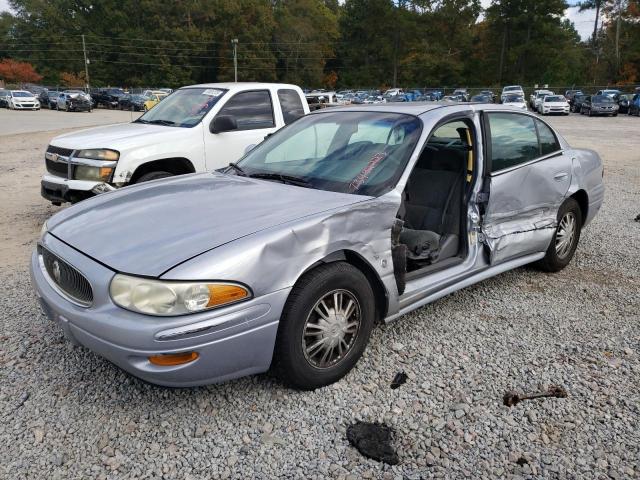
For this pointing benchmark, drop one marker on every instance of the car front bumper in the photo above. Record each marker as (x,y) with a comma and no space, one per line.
(26,106)
(60,190)
(231,342)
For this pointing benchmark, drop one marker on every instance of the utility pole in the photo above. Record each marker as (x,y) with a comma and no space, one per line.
(86,65)
(618,36)
(234,42)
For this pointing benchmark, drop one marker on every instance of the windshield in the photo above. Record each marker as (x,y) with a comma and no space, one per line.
(513,99)
(115,91)
(602,99)
(22,94)
(511,89)
(183,108)
(362,153)
(553,98)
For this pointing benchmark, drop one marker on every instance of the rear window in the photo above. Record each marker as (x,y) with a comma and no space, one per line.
(291,105)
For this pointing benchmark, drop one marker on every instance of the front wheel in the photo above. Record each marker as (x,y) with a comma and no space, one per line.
(565,238)
(325,326)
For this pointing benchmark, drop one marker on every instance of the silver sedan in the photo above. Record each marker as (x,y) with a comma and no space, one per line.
(287,259)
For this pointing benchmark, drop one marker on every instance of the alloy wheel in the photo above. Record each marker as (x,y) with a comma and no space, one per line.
(331,329)
(565,235)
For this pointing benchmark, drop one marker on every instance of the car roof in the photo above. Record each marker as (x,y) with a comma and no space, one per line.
(415,108)
(241,85)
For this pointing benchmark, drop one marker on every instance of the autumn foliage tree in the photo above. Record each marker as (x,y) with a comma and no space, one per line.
(70,79)
(13,71)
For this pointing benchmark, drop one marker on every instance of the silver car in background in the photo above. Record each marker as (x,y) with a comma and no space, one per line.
(287,259)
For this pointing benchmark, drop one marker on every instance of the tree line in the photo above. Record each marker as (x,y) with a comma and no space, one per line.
(355,43)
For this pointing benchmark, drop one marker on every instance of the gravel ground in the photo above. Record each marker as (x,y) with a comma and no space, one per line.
(67,413)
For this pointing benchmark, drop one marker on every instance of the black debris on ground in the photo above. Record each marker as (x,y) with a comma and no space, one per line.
(373,440)
(511,398)
(399,379)
(637,219)
(522,461)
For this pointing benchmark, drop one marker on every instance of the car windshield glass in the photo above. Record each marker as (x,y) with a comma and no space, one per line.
(553,98)
(115,91)
(362,153)
(22,94)
(139,98)
(511,89)
(184,107)
(602,99)
(514,99)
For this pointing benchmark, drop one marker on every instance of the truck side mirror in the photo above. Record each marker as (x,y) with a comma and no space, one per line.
(223,123)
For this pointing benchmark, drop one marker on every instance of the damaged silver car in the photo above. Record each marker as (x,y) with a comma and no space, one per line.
(287,259)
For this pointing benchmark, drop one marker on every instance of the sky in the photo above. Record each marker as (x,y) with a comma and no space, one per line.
(583,21)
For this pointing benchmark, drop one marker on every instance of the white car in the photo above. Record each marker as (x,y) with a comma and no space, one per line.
(195,129)
(537,99)
(23,100)
(393,92)
(554,104)
(515,101)
(511,90)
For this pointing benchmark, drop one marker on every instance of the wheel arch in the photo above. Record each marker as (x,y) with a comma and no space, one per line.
(175,165)
(582,198)
(358,261)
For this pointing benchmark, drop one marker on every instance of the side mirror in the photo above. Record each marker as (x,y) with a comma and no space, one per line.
(223,123)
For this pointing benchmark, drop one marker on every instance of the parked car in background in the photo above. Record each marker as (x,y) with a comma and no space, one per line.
(23,100)
(463,92)
(135,102)
(577,101)
(482,98)
(511,89)
(108,97)
(52,99)
(569,94)
(317,101)
(73,101)
(623,103)
(392,92)
(434,93)
(344,219)
(489,93)
(5,95)
(554,104)
(599,105)
(515,101)
(195,129)
(537,98)
(634,105)
(614,94)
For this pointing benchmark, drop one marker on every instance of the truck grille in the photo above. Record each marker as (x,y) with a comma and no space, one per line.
(57,168)
(69,280)
(65,152)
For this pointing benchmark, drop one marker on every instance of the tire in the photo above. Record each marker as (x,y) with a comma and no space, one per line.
(294,364)
(147,177)
(558,255)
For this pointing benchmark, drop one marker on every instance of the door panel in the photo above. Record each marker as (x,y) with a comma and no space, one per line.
(523,206)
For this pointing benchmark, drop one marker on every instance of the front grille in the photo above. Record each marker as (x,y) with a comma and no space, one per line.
(69,280)
(65,152)
(57,168)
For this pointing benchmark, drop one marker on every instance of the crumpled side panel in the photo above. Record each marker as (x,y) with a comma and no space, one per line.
(510,239)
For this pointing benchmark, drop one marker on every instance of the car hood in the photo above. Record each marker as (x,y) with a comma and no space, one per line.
(24,99)
(603,104)
(556,104)
(120,136)
(149,228)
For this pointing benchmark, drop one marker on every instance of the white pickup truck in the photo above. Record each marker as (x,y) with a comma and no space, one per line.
(195,129)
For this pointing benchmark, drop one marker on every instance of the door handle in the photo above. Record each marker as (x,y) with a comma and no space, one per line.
(560,176)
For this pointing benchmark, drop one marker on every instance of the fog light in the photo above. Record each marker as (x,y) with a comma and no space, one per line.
(173,359)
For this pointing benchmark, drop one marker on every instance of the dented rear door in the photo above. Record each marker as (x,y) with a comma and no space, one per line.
(529,178)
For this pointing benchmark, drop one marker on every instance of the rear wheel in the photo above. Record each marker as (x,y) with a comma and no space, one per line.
(565,238)
(325,326)
(147,177)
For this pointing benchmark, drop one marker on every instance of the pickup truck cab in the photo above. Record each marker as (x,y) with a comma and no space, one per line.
(195,129)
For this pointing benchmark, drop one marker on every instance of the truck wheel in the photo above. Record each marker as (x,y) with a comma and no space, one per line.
(325,326)
(147,177)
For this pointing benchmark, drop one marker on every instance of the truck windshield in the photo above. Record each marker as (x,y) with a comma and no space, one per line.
(183,108)
(362,153)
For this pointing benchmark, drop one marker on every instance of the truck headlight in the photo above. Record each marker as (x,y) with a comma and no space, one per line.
(169,298)
(99,154)
(95,174)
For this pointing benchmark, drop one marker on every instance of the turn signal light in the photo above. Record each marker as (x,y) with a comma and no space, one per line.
(223,294)
(173,359)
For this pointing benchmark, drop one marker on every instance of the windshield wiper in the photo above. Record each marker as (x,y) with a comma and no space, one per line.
(139,120)
(238,169)
(301,182)
(161,122)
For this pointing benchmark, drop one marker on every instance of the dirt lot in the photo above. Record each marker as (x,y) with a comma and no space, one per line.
(67,413)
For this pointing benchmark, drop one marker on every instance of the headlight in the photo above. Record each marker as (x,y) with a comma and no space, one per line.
(97,174)
(163,298)
(99,154)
